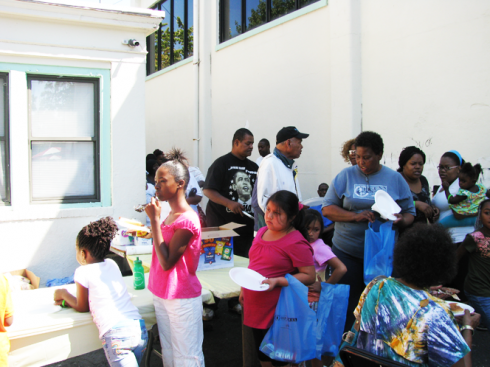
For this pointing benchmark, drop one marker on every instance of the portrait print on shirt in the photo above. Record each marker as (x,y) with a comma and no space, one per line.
(367,192)
(241,189)
(234,179)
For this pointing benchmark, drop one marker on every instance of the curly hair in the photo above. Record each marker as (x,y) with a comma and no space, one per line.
(406,154)
(97,236)
(425,256)
(344,151)
(370,139)
(177,165)
(473,172)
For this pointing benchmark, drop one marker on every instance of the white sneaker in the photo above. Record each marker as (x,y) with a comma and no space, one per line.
(207,314)
(237,309)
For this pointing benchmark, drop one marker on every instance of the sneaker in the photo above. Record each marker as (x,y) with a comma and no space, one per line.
(482,328)
(207,314)
(236,309)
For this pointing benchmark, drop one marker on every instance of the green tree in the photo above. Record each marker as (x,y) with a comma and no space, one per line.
(179,36)
(259,15)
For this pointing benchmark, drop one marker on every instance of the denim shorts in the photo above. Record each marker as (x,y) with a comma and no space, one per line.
(125,343)
(481,306)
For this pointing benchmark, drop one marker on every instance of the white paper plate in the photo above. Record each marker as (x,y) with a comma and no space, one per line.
(464,306)
(385,205)
(248,278)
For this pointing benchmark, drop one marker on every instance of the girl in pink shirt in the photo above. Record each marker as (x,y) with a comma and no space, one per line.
(173,281)
(277,250)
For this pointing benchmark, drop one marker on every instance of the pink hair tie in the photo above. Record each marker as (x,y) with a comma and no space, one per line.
(300,206)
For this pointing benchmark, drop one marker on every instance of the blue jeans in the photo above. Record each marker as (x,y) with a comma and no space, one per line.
(125,343)
(481,306)
(450,222)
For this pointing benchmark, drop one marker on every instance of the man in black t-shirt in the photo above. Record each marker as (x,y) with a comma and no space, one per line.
(229,184)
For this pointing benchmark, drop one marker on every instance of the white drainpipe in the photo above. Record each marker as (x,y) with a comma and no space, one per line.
(195,62)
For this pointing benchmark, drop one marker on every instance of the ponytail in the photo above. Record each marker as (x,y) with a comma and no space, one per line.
(473,172)
(177,165)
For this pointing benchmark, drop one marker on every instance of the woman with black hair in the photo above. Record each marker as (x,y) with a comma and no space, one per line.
(449,168)
(151,167)
(411,165)
(159,156)
(348,203)
(280,248)
(400,320)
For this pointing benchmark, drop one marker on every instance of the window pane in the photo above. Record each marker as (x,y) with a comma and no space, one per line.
(3,90)
(178,19)
(190,27)
(62,109)
(231,19)
(3,172)
(256,13)
(282,7)
(62,170)
(165,38)
(307,2)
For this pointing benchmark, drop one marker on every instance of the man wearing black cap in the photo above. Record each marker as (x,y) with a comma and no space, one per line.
(278,171)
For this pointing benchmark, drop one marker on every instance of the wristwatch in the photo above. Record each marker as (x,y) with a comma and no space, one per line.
(467,327)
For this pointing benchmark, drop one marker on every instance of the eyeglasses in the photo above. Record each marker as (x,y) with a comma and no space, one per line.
(445,168)
(352,152)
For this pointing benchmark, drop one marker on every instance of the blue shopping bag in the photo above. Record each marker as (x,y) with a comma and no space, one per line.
(292,336)
(331,315)
(379,242)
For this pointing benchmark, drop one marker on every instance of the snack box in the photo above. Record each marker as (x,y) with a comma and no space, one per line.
(217,247)
(123,238)
(35,280)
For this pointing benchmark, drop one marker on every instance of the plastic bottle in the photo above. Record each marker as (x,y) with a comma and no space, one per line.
(139,275)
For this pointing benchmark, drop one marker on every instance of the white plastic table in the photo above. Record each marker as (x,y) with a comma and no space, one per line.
(40,336)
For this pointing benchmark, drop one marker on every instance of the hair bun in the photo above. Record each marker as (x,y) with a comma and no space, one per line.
(104,228)
(176,154)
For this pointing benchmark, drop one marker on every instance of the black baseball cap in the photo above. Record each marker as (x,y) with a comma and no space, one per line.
(289,132)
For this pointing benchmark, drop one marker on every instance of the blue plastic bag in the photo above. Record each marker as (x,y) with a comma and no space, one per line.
(292,336)
(379,243)
(331,314)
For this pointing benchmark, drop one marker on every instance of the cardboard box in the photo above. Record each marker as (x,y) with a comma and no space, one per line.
(140,241)
(35,280)
(217,247)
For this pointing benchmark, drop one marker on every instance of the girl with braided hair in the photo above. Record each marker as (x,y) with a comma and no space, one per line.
(173,281)
(101,289)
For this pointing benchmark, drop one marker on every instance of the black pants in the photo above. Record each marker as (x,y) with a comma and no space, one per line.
(355,278)
(259,335)
(458,281)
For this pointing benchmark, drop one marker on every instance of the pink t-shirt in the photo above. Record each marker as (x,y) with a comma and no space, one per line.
(180,281)
(321,254)
(273,259)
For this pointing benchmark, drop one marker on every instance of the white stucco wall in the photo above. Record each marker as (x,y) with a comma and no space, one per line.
(414,71)
(425,78)
(169,108)
(60,40)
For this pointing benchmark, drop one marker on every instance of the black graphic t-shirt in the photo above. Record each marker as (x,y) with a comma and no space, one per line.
(234,179)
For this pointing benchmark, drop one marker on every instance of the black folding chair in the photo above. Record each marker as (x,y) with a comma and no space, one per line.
(355,357)
(153,345)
